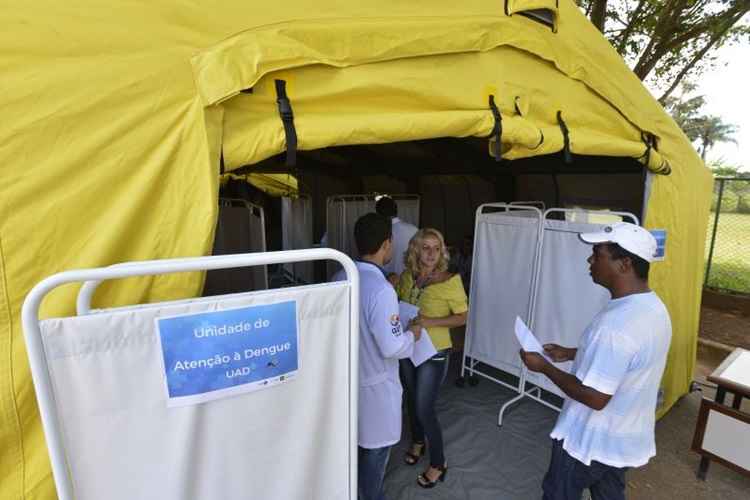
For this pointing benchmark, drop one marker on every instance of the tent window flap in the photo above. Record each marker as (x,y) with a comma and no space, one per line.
(542,11)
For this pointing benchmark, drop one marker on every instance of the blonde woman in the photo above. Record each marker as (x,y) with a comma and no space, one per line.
(442,303)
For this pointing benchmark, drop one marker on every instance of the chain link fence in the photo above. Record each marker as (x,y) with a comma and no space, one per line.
(728,236)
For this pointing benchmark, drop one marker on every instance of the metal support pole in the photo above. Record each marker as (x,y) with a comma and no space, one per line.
(713,233)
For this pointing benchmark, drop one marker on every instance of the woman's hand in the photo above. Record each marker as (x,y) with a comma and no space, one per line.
(558,353)
(415,327)
(424,321)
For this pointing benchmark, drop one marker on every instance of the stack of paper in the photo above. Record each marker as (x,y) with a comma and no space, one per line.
(423,348)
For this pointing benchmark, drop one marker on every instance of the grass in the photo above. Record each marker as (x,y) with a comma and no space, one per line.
(730,269)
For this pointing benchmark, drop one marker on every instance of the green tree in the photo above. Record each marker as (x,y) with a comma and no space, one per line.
(712,129)
(736,196)
(701,128)
(667,41)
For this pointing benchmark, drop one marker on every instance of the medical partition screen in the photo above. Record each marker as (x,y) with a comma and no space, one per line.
(566,298)
(505,250)
(240,228)
(296,234)
(239,396)
(342,212)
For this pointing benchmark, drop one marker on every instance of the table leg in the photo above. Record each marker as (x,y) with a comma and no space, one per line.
(703,468)
(721,394)
(737,401)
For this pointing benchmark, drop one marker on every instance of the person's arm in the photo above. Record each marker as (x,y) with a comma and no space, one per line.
(385,325)
(450,321)
(458,303)
(567,382)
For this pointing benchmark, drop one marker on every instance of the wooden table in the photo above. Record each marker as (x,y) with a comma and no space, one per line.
(732,376)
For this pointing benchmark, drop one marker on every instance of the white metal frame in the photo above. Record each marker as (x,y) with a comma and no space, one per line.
(534,203)
(93,277)
(535,392)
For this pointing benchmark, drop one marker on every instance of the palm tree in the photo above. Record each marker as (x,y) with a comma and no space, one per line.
(710,130)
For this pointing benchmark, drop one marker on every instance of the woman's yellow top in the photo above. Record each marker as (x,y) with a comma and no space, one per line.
(436,300)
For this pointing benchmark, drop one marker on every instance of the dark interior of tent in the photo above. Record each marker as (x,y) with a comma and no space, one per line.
(451,176)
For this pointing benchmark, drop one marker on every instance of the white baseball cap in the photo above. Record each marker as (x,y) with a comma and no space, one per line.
(632,238)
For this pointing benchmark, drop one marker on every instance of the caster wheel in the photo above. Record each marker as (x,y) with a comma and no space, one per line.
(460,382)
(473,381)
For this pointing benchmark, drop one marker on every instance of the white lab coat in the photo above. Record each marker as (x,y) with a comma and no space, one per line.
(381,344)
(402,233)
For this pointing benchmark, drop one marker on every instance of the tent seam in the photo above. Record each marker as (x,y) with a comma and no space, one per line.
(13,399)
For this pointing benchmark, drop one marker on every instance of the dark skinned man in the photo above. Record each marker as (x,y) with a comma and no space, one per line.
(607,422)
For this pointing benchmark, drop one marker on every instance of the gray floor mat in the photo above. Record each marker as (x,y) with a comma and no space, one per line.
(484,461)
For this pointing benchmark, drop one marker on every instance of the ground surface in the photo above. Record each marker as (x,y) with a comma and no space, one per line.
(727,327)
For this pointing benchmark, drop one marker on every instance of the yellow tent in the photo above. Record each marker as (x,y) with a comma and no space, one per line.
(116,115)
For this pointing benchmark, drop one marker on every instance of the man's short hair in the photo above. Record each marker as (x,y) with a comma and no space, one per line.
(640,265)
(386,206)
(370,231)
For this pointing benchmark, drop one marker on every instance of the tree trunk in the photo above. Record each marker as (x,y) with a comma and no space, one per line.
(599,14)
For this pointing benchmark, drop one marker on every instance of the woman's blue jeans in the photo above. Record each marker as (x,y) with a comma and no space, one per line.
(421,385)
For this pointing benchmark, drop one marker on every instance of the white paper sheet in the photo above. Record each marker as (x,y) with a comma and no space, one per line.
(528,341)
(423,348)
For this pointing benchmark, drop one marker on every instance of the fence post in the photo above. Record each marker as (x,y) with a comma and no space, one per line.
(713,233)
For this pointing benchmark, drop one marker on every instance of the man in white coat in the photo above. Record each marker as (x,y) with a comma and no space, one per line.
(381,344)
(402,234)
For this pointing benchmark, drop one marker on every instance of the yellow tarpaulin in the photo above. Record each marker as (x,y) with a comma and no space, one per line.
(114,115)
(272,184)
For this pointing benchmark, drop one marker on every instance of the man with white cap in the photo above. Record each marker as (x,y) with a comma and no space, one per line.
(607,421)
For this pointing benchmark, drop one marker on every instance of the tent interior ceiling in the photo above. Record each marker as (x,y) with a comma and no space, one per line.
(453,176)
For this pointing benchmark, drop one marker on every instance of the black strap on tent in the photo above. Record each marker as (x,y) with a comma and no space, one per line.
(566,138)
(287,118)
(650,141)
(497,130)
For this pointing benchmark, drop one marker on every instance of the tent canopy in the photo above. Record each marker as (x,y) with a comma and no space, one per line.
(116,116)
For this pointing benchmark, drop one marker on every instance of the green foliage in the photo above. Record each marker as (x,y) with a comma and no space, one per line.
(701,128)
(730,269)
(669,40)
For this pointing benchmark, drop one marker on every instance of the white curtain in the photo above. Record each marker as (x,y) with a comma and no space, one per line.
(567,299)
(297,233)
(343,212)
(289,441)
(504,253)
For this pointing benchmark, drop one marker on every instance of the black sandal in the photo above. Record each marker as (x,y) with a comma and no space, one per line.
(424,482)
(412,458)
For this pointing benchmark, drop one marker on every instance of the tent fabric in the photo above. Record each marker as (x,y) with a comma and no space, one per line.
(115,117)
(272,184)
